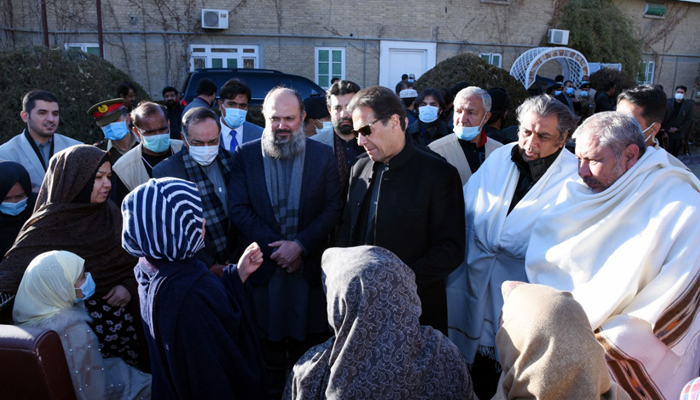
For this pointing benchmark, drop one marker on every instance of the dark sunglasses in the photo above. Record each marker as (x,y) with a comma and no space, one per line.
(365,130)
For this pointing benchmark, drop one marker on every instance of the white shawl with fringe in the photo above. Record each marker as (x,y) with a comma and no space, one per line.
(631,256)
(496,245)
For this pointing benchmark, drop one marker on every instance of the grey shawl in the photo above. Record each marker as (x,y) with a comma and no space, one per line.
(379,350)
(284,193)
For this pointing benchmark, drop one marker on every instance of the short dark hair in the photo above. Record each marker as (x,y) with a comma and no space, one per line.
(29,99)
(459,86)
(404,77)
(447,96)
(123,89)
(334,80)
(401,86)
(608,86)
(206,87)
(685,89)
(430,92)
(383,103)
(341,88)
(196,115)
(169,89)
(145,109)
(650,99)
(232,88)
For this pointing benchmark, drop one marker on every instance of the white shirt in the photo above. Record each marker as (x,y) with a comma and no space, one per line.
(226,135)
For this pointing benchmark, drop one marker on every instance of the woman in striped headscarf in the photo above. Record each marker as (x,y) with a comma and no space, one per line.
(201,335)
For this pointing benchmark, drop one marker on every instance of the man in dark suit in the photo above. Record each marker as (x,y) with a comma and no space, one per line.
(679,122)
(203,162)
(404,199)
(285,195)
(234,98)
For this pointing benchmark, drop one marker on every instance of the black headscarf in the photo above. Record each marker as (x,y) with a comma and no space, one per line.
(11,173)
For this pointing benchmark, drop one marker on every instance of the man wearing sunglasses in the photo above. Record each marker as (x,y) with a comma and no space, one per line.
(404,199)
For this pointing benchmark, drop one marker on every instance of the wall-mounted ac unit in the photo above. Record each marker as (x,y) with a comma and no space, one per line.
(214,19)
(558,36)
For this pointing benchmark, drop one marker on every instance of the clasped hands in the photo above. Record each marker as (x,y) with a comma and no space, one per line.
(287,255)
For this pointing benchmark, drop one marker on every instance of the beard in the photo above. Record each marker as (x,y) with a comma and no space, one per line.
(343,129)
(598,186)
(283,149)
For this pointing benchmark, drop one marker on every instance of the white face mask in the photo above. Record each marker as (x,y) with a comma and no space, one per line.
(203,155)
(679,96)
(327,127)
(644,132)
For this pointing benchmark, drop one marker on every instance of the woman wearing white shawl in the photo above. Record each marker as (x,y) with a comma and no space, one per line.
(379,350)
(630,255)
(46,298)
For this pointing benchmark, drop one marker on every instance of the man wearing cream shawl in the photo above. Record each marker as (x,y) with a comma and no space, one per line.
(623,240)
(503,200)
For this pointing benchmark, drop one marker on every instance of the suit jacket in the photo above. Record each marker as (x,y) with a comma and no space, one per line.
(196,102)
(250,132)
(19,150)
(319,207)
(420,217)
(682,120)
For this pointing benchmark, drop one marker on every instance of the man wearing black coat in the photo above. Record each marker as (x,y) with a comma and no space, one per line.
(405,200)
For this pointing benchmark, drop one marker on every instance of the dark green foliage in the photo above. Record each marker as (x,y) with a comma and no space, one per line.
(471,68)
(77,79)
(601,32)
(605,75)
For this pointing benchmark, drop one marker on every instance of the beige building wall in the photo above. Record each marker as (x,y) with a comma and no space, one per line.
(150,39)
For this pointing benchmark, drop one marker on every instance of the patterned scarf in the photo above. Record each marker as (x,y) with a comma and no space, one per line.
(284,196)
(379,350)
(342,162)
(163,220)
(216,233)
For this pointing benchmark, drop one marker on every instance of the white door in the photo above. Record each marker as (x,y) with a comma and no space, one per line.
(398,58)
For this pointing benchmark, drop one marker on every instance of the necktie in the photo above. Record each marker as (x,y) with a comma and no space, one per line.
(234,142)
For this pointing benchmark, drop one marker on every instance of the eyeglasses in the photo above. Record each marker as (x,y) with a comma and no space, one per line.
(365,130)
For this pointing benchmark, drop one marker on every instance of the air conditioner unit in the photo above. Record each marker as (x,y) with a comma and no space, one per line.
(558,36)
(214,19)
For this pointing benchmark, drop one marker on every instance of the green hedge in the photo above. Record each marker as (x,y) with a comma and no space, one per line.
(77,79)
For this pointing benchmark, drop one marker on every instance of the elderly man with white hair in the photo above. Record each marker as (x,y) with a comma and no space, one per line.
(468,147)
(503,201)
(623,240)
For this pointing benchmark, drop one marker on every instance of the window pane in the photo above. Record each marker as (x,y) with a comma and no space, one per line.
(249,63)
(74,48)
(337,68)
(249,50)
(199,50)
(231,63)
(216,63)
(655,9)
(486,57)
(323,68)
(497,60)
(337,56)
(323,81)
(323,55)
(93,50)
(199,62)
(223,50)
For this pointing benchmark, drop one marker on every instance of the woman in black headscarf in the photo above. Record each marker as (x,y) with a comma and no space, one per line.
(72,213)
(16,207)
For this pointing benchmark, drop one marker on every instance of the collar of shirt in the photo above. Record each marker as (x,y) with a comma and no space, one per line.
(226,135)
(536,168)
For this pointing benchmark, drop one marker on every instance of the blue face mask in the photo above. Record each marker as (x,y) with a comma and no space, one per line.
(157,143)
(557,92)
(411,80)
(88,288)
(13,209)
(584,93)
(235,117)
(428,114)
(115,130)
(569,90)
(468,133)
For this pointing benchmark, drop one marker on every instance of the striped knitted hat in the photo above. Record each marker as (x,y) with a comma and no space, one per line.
(163,220)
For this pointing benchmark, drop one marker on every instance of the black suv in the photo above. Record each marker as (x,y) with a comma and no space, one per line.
(260,81)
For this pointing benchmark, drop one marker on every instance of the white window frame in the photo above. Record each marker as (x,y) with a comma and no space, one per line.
(649,68)
(490,60)
(83,46)
(208,52)
(330,64)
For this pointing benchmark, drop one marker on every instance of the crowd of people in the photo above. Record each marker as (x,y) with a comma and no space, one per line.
(372,243)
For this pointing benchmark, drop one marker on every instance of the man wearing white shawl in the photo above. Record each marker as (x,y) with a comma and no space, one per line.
(623,240)
(503,200)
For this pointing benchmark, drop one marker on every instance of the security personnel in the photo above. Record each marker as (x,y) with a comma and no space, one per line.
(109,115)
